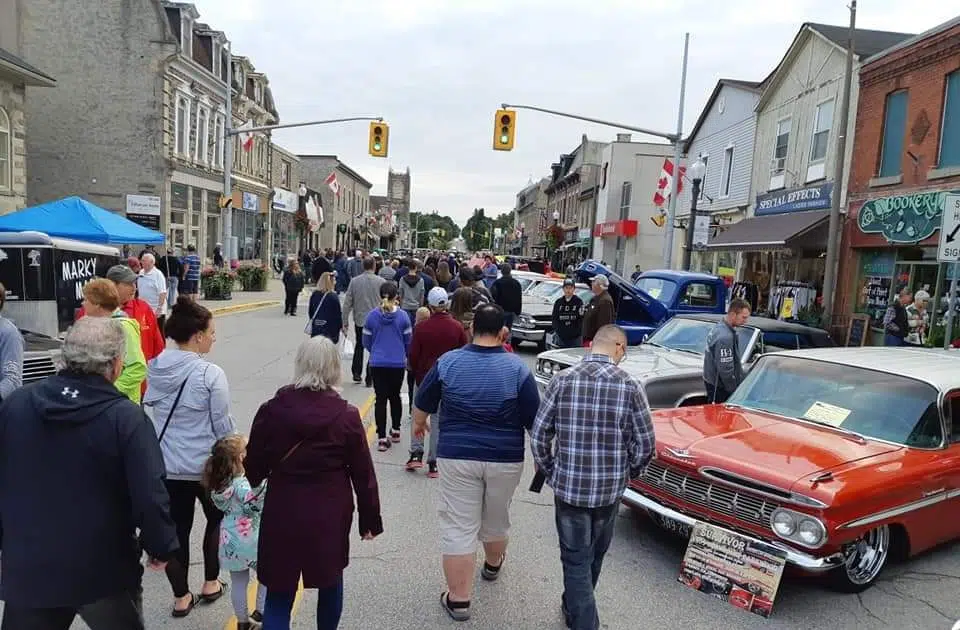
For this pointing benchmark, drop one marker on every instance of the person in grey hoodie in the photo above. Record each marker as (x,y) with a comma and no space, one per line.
(413,290)
(722,371)
(190,401)
(11,353)
(363,295)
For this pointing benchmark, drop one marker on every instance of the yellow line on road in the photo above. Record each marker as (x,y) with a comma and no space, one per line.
(364,411)
(244,308)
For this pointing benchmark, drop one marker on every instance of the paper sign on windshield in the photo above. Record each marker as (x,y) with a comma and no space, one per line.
(826,413)
(654,293)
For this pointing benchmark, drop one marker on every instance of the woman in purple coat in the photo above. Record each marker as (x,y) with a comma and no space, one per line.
(310,443)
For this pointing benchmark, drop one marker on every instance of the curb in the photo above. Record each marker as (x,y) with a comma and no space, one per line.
(247,306)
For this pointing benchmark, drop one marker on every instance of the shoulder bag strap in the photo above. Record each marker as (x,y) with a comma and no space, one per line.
(172,409)
(309,327)
(286,456)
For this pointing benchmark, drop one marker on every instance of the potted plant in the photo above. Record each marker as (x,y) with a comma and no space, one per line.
(253,277)
(217,284)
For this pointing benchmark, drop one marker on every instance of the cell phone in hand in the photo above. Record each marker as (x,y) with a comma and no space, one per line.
(538,479)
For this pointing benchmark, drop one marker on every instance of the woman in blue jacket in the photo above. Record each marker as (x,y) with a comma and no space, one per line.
(386,336)
(326,318)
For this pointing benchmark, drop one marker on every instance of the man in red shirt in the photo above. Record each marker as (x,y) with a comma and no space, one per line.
(431,339)
(151,339)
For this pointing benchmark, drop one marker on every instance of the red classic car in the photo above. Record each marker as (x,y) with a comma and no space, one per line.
(840,457)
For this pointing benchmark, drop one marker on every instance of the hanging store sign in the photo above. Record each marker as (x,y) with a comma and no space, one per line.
(285,200)
(903,218)
(251,203)
(625,228)
(144,210)
(796,200)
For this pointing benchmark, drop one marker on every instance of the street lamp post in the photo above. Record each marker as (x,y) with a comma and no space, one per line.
(696,172)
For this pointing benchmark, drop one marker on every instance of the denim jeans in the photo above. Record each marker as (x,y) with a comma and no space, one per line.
(120,612)
(172,284)
(585,535)
(276,613)
(893,340)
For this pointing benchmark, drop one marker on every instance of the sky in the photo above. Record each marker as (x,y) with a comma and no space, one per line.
(437,70)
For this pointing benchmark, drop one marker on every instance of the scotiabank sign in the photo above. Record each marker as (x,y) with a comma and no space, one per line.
(625,228)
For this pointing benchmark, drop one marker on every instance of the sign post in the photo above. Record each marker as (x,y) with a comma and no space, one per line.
(949,252)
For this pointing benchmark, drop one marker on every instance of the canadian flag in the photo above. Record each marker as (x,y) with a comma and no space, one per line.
(332,183)
(246,137)
(665,183)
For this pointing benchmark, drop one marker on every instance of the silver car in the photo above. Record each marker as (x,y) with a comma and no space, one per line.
(536,320)
(670,362)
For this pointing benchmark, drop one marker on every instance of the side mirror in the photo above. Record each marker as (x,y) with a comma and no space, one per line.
(644,340)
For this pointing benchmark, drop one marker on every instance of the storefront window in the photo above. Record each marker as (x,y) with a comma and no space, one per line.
(874,284)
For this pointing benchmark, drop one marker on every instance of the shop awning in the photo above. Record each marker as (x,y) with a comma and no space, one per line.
(768,232)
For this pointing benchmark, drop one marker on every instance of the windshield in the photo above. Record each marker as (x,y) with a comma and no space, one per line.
(873,404)
(690,335)
(524,282)
(544,289)
(658,288)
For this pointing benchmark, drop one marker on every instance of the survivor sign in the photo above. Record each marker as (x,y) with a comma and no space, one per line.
(741,571)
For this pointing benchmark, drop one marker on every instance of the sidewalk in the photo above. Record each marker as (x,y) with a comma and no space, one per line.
(248,300)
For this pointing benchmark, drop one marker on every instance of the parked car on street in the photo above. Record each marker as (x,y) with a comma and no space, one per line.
(527,279)
(843,458)
(657,296)
(670,362)
(536,321)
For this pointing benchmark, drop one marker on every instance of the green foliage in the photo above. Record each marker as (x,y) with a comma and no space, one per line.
(478,231)
(433,230)
(938,333)
(217,284)
(252,277)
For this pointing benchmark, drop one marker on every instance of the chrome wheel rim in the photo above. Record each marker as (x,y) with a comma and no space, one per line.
(864,558)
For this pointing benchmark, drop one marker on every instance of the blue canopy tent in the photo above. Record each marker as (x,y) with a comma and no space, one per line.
(80,220)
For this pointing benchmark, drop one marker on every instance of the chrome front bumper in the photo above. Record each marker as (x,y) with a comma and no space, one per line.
(528,334)
(804,561)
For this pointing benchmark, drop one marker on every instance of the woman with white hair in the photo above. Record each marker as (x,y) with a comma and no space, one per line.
(310,443)
(917,319)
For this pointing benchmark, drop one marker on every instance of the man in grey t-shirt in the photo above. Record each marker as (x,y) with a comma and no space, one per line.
(722,371)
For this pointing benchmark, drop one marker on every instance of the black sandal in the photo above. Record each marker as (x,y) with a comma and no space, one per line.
(489,572)
(458,611)
(209,598)
(179,614)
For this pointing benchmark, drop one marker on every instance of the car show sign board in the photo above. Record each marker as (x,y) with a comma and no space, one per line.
(743,572)
(857,331)
(949,250)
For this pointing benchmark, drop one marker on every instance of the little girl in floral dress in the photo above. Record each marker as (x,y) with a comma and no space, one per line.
(240,528)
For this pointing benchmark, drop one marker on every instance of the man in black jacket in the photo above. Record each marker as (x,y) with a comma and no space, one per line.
(508,294)
(80,472)
(568,317)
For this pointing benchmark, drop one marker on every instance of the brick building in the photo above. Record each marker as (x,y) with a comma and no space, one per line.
(907,158)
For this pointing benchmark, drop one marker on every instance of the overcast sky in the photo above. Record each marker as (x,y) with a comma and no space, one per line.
(438,69)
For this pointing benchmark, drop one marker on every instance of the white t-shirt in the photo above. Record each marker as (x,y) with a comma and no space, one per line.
(151,285)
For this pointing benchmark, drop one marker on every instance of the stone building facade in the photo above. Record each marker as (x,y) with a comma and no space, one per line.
(398,199)
(285,183)
(346,213)
(530,211)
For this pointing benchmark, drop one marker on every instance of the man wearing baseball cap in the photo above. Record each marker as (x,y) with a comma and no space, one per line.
(568,317)
(431,339)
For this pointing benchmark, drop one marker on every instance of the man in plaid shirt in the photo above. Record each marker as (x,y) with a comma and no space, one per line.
(591,435)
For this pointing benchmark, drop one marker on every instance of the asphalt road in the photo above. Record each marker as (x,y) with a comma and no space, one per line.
(394,582)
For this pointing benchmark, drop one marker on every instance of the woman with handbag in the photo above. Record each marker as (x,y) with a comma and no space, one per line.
(190,400)
(311,446)
(326,318)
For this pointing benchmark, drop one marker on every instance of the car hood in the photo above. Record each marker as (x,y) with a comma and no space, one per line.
(654,308)
(757,445)
(35,342)
(642,362)
(537,307)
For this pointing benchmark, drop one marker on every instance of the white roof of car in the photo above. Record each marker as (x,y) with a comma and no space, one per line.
(940,368)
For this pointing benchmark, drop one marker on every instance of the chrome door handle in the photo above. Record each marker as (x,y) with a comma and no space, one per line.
(930,493)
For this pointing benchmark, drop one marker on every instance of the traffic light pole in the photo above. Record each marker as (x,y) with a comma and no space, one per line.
(672,137)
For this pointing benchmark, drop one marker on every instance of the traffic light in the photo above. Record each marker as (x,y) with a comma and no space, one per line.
(379,138)
(224,202)
(504,129)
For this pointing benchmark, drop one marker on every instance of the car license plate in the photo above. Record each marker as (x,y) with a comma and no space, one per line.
(672,525)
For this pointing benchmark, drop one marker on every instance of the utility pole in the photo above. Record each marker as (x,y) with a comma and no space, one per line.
(677,150)
(833,233)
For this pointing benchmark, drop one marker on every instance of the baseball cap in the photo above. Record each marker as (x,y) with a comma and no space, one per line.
(568,282)
(438,297)
(121,274)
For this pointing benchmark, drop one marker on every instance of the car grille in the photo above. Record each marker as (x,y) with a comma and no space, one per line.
(712,496)
(38,368)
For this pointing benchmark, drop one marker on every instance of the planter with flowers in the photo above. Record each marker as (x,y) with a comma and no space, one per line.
(253,277)
(217,284)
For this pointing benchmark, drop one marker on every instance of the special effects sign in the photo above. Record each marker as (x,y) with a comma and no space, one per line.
(740,571)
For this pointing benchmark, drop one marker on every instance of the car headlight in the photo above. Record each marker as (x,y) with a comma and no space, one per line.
(525,320)
(797,527)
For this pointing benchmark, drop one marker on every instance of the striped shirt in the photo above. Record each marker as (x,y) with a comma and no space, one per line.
(486,398)
(593,433)
(193,273)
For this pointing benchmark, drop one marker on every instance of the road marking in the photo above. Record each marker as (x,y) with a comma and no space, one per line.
(252,602)
(364,411)
(244,308)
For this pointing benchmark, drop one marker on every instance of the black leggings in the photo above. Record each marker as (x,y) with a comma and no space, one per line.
(290,304)
(183,498)
(387,383)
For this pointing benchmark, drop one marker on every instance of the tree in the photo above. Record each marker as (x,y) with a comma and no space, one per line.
(478,231)
(433,230)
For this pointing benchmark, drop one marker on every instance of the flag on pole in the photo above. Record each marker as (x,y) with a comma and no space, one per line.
(246,137)
(332,183)
(665,183)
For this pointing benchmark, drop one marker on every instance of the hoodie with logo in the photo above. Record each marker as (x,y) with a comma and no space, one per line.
(80,473)
(386,336)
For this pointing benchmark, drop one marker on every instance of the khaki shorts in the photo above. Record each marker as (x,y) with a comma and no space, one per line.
(475,503)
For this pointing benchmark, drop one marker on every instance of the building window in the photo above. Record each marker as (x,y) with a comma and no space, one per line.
(186,37)
(203,134)
(6,151)
(703,183)
(284,174)
(179,196)
(821,131)
(182,126)
(894,128)
(218,141)
(215,60)
(626,194)
(780,148)
(726,173)
(950,130)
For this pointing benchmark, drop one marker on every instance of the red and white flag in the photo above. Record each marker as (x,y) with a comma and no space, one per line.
(664,184)
(332,183)
(246,137)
